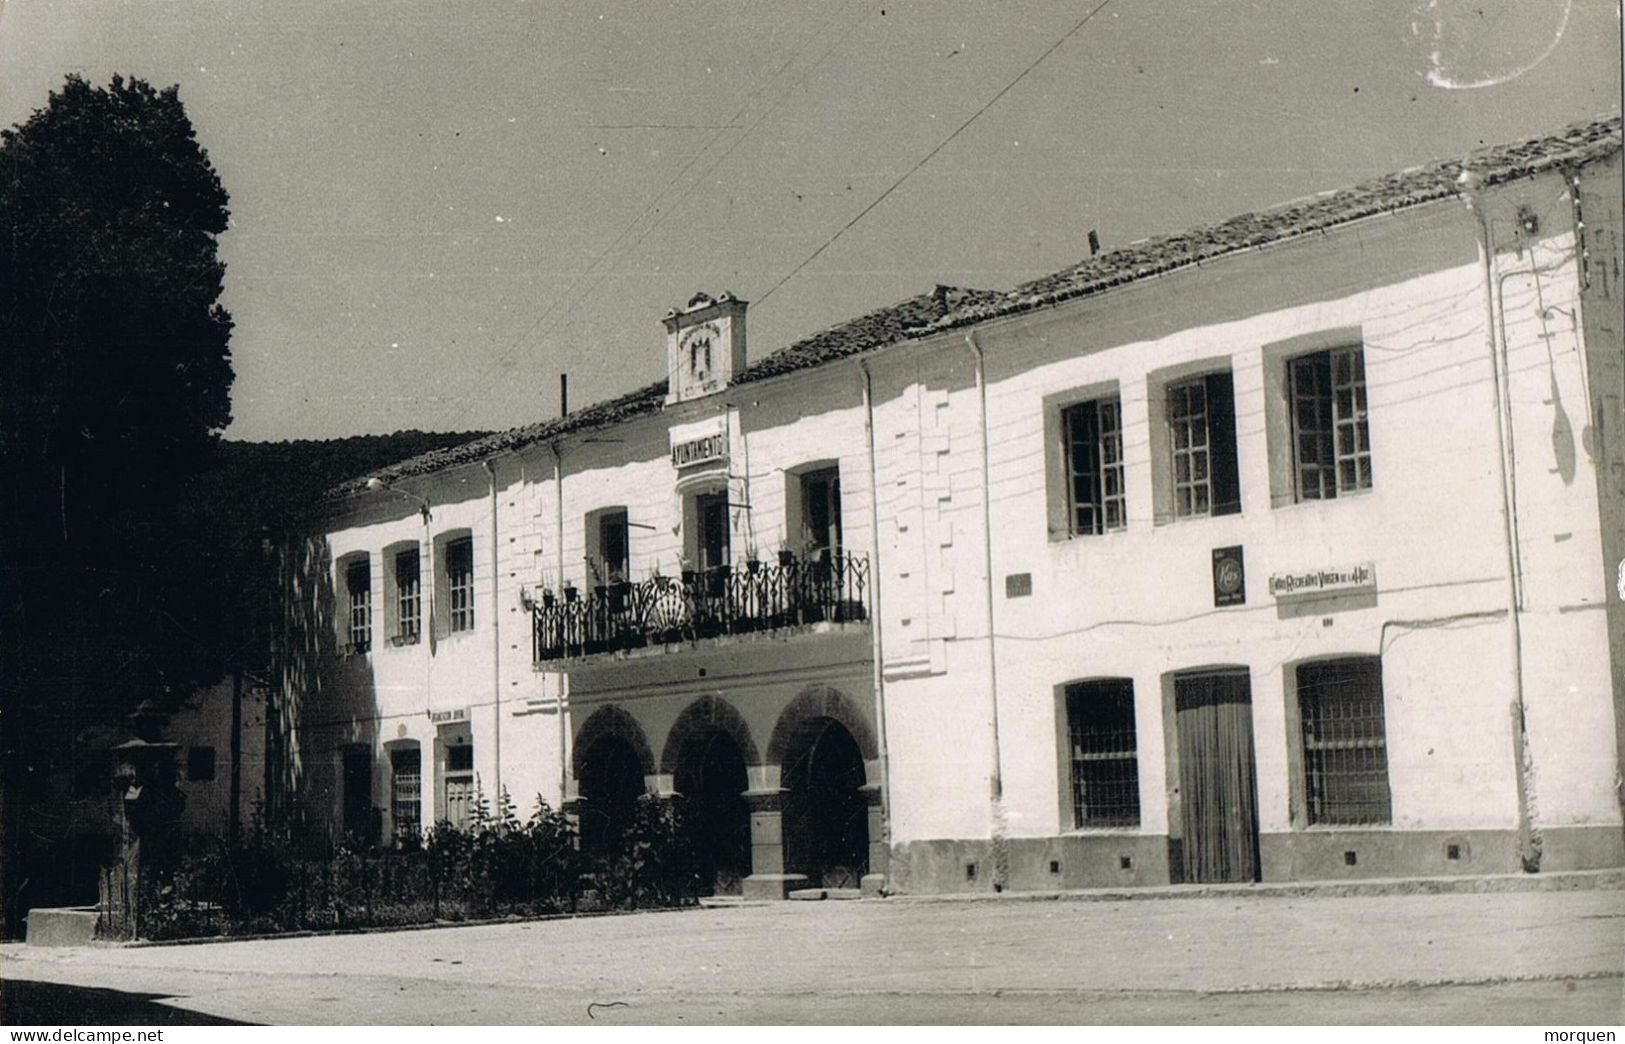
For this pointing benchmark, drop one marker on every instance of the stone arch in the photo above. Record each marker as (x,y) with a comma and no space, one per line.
(821,701)
(707,712)
(611,721)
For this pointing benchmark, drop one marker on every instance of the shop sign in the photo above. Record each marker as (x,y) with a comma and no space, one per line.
(448,717)
(1359,577)
(1229,577)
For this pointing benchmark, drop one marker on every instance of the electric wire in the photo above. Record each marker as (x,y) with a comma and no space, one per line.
(930,155)
(571,299)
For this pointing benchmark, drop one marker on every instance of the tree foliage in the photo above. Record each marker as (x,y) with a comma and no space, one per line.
(119,345)
(115,378)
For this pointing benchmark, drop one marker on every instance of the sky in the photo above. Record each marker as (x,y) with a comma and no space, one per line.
(438,207)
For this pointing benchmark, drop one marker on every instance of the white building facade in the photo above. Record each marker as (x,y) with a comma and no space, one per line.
(1287,548)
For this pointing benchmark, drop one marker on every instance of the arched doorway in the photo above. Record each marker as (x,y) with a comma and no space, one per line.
(826,813)
(611,781)
(711,777)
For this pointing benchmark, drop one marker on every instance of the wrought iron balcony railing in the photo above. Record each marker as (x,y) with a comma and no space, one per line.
(663,610)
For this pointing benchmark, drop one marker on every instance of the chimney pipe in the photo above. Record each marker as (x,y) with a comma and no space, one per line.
(1094,242)
(564,395)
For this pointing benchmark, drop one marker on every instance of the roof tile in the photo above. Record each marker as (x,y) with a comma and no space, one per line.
(947,307)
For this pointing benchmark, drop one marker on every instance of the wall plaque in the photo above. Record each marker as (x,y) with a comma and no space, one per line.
(1361,576)
(1229,577)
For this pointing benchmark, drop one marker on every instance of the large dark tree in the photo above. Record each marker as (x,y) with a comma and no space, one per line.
(115,376)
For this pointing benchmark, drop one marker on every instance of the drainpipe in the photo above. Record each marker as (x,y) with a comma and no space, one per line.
(496,634)
(1001,857)
(1472,188)
(426,580)
(558,550)
(876,641)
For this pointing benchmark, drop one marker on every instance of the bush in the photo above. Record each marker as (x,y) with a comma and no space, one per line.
(656,862)
(270,881)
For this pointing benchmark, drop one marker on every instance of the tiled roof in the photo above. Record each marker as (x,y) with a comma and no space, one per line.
(948,307)
(647,399)
(1577,144)
(884,326)
(878,328)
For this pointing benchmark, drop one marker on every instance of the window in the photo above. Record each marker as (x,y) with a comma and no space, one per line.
(1092,434)
(408,596)
(609,546)
(460,583)
(358,818)
(699,357)
(200,764)
(358,584)
(821,514)
(406,795)
(1345,751)
(458,800)
(1331,439)
(711,513)
(1202,441)
(1105,765)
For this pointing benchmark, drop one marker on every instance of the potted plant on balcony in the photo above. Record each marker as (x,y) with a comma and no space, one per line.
(548,599)
(570,592)
(600,588)
(787,555)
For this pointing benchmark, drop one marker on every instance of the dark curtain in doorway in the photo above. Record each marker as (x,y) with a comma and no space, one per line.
(1216,774)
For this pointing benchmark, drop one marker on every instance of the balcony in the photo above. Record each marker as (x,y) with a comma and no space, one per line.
(663,610)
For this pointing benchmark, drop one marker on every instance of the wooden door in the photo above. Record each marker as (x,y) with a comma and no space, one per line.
(1214,718)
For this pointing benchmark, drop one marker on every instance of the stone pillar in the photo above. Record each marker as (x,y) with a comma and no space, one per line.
(146,809)
(874,882)
(767,878)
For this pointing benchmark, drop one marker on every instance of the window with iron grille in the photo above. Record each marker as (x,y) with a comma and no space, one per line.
(1202,441)
(1105,764)
(1093,436)
(358,583)
(460,583)
(1345,747)
(406,794)
(408,595)
(1331,438)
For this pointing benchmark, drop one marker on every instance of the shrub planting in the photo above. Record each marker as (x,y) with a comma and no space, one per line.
(282,880)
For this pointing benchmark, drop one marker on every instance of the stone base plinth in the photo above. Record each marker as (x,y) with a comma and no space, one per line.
(62,926)
(772,886)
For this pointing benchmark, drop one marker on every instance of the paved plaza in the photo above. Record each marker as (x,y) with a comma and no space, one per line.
(1513,957)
